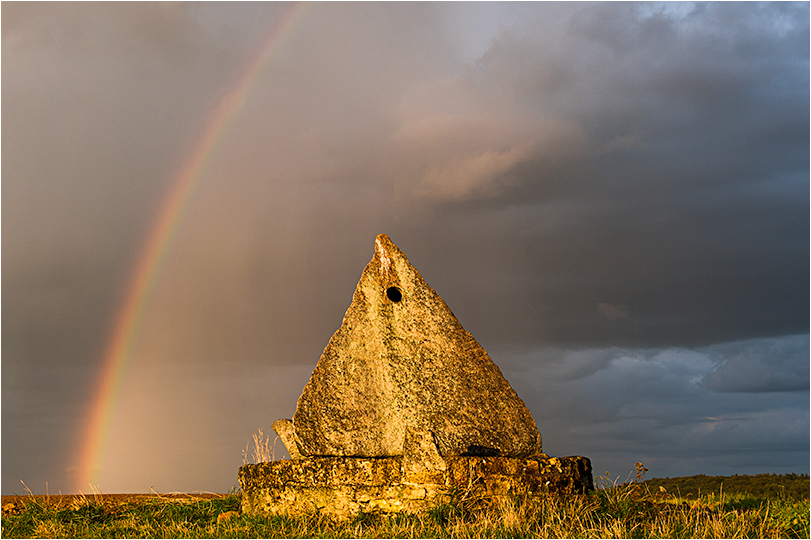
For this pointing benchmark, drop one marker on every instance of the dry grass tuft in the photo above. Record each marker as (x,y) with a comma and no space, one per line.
(263,449)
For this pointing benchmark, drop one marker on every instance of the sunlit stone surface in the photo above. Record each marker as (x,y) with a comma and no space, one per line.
(401,360)
(344,486)
(404,406)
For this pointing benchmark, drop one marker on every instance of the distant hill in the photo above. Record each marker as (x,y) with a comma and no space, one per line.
(795,486)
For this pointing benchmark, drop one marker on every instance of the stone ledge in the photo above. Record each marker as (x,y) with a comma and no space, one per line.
(344,486)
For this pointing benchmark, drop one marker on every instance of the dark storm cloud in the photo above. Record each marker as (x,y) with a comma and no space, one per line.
(769,365)
(684,193)
(617,191)
(679,411)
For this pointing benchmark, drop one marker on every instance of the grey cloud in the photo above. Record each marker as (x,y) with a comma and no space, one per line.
(612,312)
(558,364)
(682,202)
(655,406)
(652,212)
(767,365)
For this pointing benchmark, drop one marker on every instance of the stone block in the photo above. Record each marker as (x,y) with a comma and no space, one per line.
(345,486)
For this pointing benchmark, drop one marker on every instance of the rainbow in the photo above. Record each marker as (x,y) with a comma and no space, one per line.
(117,355)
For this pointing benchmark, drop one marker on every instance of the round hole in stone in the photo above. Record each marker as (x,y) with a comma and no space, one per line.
(394,294)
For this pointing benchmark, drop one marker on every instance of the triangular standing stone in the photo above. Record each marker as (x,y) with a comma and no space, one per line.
(402,362)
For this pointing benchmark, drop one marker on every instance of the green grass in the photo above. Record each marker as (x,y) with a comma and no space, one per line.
(795,486)
(618,511)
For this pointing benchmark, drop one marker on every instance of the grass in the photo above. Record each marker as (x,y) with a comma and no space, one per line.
(614,511)
(795,486)
(263,449)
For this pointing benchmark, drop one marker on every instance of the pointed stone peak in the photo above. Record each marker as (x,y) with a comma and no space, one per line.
(382,245)
(401,363)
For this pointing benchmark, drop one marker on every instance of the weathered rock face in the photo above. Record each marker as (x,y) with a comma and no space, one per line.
(403,410)
(401,362)
(345,486)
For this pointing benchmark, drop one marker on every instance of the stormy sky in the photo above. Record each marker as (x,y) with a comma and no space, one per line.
(612,198)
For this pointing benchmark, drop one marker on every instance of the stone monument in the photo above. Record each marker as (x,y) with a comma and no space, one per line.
(403,408)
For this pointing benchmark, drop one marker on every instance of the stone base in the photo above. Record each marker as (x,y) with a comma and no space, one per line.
(346,486)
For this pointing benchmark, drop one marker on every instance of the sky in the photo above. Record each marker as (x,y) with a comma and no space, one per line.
(613,198)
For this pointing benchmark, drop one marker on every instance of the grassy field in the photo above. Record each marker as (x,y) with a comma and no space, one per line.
(765,486)
(617,511)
